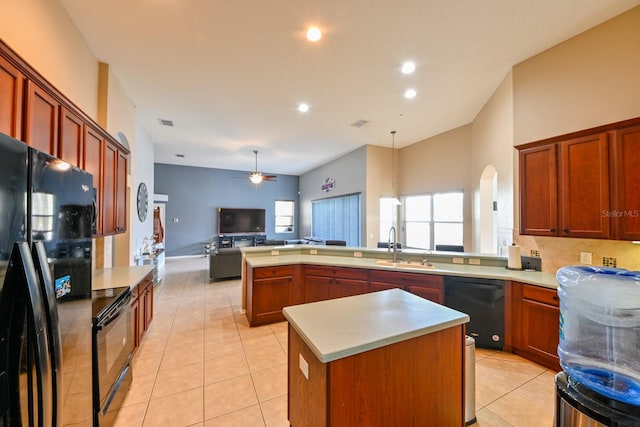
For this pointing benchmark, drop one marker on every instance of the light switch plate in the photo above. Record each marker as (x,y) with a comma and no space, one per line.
(457,260)
(474,261)
(357,254)
(313,252)
(304,366)
(275,252)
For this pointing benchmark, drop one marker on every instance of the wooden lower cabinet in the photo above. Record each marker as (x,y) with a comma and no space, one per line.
(427,286)
(141,308)
(536,317)
(326,282)
(269,290)
(402,384)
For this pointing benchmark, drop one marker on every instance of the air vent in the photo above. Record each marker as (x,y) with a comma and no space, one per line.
(359,123)
(180,155)
(164,122)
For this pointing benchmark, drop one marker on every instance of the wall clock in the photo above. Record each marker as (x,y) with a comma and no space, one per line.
(143,201)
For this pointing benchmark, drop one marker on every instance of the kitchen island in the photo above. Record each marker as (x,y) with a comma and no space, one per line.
(378,359)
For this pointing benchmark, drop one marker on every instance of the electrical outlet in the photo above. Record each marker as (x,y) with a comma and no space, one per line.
(457,260)
(313,252)
(474,261)
(275,252)
(357,254)
(304,366)
(585,258)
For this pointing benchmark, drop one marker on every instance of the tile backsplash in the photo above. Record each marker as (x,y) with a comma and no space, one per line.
(558,252)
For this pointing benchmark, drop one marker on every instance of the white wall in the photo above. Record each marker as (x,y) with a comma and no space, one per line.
(141,171)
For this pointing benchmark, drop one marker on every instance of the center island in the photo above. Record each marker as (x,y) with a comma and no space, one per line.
(378,359)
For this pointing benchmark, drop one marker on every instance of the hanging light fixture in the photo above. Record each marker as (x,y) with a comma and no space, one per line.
(394,199)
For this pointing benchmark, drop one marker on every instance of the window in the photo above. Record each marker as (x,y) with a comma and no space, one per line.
(433,219)
(284,216)
(388,217)
(337,218)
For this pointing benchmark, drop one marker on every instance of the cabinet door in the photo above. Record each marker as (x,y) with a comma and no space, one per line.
(148,304)
(93,154)
(41,120)
(383,286)
(317,288)
(537,323)
(136,326)
(625,214)
(270,296)
(71,138)
(432,294)
(109,189)
(584,172)
(348,287)
(538,191)
(11,94)
(121,192)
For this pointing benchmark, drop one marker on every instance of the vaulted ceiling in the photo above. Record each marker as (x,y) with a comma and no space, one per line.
(230,74)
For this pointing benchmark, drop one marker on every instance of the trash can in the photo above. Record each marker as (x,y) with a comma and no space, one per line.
(470,380)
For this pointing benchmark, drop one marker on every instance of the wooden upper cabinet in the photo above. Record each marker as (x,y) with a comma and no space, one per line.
(121,192)
(584,190)
(109,189)
(11,96)
(93,154)
(41,119)
(625,213)
(539,191)
(70,142)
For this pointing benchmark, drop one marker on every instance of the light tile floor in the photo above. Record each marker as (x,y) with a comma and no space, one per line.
(201,365)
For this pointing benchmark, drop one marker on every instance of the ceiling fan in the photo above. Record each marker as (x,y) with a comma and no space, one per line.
(257,177)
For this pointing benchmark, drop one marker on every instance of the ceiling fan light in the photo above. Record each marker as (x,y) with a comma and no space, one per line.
(256,178)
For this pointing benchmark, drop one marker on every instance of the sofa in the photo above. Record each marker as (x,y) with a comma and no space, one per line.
(225,263)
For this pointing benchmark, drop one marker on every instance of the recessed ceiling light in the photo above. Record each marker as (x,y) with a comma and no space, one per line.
(303,108)
(410,93)
(314,34)
(408,67)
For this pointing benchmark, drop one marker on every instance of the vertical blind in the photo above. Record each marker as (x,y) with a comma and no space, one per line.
(337,218)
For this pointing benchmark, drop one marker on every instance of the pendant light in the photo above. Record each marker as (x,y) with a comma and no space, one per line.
(394,200)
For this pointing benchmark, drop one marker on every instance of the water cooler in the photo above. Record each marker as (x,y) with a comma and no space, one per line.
(599,348)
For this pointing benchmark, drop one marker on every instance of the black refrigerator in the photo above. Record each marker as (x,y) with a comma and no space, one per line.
(47,215)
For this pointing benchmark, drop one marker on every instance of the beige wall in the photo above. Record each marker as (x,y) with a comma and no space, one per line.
(41,32)
(492,145)
(378,181)
(437,164)
(589,80)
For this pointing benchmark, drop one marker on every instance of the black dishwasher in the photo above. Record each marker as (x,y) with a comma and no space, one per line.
(483,301)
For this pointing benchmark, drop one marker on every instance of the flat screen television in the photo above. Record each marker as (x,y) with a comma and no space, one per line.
(242,220)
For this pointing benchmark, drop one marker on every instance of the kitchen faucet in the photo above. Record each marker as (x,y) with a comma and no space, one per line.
(393,244)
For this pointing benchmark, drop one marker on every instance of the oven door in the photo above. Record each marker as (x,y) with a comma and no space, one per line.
(113,345)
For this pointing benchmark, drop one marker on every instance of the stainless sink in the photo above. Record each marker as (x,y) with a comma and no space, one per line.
(405,264)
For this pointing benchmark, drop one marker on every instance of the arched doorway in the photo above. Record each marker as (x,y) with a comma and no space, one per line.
(488,212)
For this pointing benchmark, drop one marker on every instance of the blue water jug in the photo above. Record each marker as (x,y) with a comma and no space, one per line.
(600,330)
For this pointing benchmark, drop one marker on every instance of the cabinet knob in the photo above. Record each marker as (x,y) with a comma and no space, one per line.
(553,230)
(566,230)
(555,298)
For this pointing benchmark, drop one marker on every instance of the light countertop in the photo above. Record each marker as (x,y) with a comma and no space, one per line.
(116,277)
(342,327)
(547,280)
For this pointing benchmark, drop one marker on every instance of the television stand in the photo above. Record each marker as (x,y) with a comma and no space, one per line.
(240,240)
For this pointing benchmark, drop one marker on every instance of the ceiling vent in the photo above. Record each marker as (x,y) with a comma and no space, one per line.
(359,123)
(164,122)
